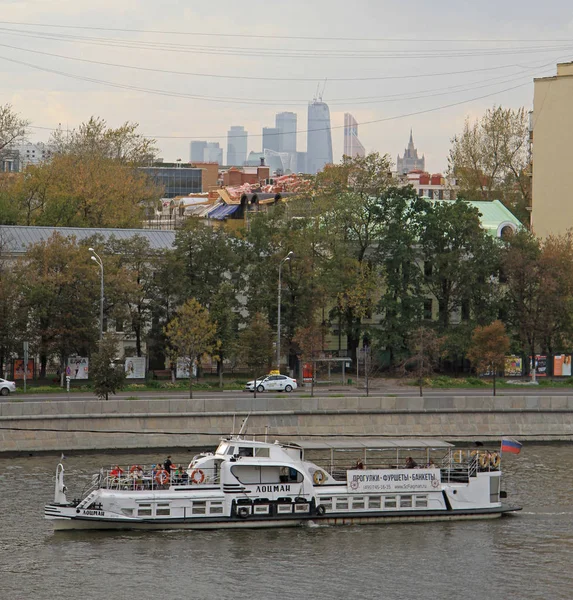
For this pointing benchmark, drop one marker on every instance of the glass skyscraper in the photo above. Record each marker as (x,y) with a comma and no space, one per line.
(236,146)
(319,137)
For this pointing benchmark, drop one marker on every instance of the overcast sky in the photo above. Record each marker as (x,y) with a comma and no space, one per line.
(454,56)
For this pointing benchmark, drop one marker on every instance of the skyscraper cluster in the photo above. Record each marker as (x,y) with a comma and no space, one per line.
(279,143)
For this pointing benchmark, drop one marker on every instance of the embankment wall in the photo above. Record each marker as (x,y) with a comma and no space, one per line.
(28,427)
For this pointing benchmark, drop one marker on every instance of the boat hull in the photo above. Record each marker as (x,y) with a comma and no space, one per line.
(87,523)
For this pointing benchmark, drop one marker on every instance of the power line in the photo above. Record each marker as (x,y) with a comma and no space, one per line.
(284,53)
(371,122)
(186,73)
(284,37)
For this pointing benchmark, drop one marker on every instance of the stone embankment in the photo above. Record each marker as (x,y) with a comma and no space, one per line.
(28,427)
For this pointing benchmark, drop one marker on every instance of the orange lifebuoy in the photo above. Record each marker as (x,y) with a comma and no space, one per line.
(197,476)
(162,477)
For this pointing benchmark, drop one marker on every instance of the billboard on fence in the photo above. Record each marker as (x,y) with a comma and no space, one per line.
(562,365)
(135,367)
(540,365)
(513,366)
(182,371)
(78,367)
(19,369)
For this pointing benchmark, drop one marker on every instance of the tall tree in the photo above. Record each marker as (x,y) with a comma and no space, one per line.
(458,260)
(256,344)
(310,340)
(191,334)
(107,376)
(490,159)
(489,346)
(349,195)
(424,346)
(225,312)
(13,129)
(61,299)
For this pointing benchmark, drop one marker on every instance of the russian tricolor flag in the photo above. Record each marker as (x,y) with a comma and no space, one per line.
(511,446)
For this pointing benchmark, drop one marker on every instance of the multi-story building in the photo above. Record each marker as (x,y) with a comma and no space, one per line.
(319,137)
(352,145)
(410,161)
(236,145)
(17,158)
(177,180)
(271,139)
(285,122)
(212,153)
(552,131)
(197,148)
(433,186)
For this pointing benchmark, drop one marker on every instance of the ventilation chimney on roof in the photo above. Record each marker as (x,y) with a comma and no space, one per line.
(262,161)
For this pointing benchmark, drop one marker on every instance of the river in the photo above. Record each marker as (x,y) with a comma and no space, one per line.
(525,556)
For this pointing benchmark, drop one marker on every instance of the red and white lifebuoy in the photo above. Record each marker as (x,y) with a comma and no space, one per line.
(162,477)
(197,476)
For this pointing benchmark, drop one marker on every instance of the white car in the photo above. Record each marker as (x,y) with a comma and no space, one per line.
(272,383)
(6,387)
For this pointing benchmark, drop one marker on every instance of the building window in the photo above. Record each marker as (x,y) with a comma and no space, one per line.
(428,269)
(465,310)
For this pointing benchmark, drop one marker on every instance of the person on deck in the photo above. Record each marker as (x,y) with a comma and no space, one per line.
(411,463)
(168,465)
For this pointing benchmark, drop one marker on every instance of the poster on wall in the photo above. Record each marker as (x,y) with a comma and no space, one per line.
(182,371)
(77,367)
(540,365)
(562,365)
(513,366)
(135,367)
(19,369)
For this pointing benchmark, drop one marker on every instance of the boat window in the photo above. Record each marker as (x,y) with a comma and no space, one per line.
(494,489)
(222,449)
(405,501)
(216,508)
(163,510)
(199,507)
(373,501)
(267,474)
(327,503)
(390,502)
(245,451)
(421,501)
(230,450)
(128,512)
(341,503)
(358,502)
(144,510)
(264,452)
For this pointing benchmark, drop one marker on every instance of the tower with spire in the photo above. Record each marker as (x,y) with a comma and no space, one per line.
(410,161)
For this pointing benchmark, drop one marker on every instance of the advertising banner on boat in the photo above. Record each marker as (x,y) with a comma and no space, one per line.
(135,367)
(78,367)
(393,480)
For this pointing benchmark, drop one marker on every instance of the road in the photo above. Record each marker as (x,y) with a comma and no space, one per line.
(400,391)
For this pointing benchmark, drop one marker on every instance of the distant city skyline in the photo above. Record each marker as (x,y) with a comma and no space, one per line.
(319,136)
(352,145)
(185,71)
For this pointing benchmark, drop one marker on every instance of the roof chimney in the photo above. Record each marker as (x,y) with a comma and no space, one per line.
(262,161)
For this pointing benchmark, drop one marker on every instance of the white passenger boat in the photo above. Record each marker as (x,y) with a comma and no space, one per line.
(248,483)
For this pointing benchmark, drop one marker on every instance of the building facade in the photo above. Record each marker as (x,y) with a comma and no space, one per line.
(410,161)
(236,146)
(176,181)
(352,145)
(552,132)
(196,151)
(319,137)
(212,153)
(285,122)
(271,139)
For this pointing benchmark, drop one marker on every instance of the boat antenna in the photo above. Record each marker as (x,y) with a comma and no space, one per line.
(244,425)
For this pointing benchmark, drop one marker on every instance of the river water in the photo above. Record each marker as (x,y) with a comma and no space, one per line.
(525,556)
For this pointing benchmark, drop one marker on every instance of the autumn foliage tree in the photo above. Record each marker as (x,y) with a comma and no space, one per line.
(424,346)
(489,345)
(191,334)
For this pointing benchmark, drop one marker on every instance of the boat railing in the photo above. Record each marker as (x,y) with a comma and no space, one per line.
(142,478)
(460,465)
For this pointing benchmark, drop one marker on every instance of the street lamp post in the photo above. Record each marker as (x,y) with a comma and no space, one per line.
(285,259)
(97,259)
